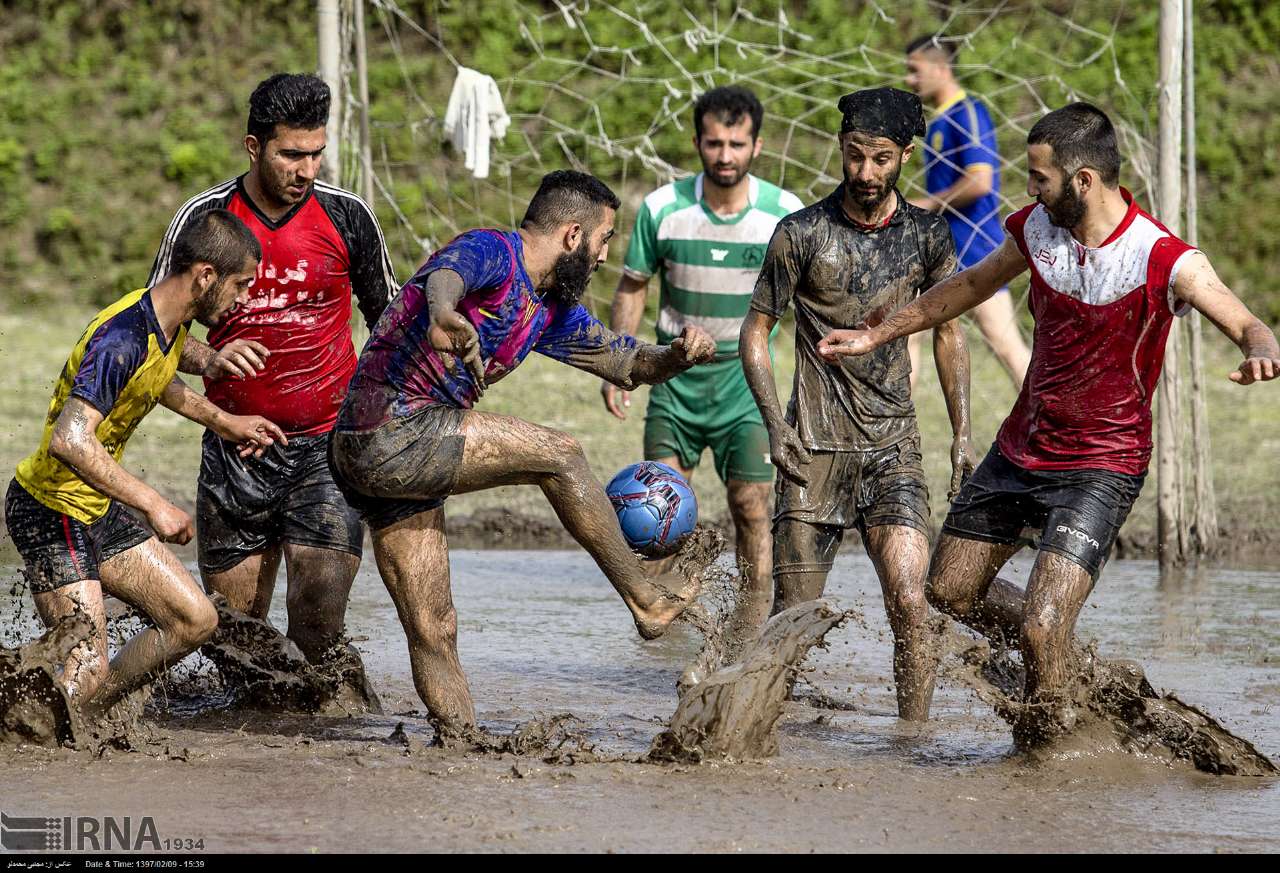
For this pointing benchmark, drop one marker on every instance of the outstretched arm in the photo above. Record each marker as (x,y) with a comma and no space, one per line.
(252,433)
(951,355)
(1198,284)
(785,448)
(75,442)
(655,364)
(941,303)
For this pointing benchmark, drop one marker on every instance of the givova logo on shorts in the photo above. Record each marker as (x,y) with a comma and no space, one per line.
(1080,535)
(78,834)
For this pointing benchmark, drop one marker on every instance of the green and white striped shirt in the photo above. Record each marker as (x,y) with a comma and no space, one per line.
(709,263)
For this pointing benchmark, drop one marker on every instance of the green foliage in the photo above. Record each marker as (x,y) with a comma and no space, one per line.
(112,114)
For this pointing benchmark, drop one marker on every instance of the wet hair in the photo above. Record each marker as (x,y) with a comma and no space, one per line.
(1081,135)
(217,238)
(292,99)
(729,103)
(934,42)
(566,196)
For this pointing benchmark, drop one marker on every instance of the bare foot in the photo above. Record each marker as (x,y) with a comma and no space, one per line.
(672,593)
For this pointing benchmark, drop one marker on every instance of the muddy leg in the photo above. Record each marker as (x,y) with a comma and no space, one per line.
(963,584)
(802,557)
(149,577)
(249,585)
(901,558)
(86,667)
(319,585)
(501,450)
(413,558)
(1056,592)
(749,506)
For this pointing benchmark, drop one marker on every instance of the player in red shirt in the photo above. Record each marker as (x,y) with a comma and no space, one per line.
(289,351)
(1107,280)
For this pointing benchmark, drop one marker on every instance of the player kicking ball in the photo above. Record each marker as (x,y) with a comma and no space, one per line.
(407,436)
(1107,280)
(65,506)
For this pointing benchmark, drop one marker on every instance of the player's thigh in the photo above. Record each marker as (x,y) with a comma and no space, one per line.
(505,450)
(962,569)
(1085,513)
(249,584)
(670,441)
(150,578)
(741,451)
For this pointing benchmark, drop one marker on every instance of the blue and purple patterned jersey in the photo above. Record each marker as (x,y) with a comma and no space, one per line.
(400,373)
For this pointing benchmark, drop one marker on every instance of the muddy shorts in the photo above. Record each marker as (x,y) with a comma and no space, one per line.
(246,505)
(849,489)
(709,407)
(400,468)
(1078,512)
(60,550)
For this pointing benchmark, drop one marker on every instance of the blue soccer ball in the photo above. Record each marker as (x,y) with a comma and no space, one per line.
(656,508)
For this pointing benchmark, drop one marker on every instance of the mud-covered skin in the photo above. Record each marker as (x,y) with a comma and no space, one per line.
(839,276)
(839,272)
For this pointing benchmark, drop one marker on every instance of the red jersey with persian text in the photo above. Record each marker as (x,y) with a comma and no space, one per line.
(1101,319)
(314,258)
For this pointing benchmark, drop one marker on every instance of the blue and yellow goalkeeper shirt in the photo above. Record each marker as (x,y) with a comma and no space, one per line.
(120,366)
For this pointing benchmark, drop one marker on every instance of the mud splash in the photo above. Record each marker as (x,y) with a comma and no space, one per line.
(556,739)
(1111,707)
(733,713)
(34,708)
(263,668)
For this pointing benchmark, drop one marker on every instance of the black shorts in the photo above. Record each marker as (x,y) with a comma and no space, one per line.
(246,505)
(1078,512)
(850,489)
(60,550)
(400,468)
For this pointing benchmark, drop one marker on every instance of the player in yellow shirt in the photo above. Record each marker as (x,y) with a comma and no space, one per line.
(65,506)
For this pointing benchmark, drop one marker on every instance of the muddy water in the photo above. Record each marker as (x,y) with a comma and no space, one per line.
(541,633)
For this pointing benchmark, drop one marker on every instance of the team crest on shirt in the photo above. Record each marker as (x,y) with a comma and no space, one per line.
(937,140)
(753,256)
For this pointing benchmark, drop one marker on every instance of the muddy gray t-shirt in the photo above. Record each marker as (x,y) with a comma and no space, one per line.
(839,275)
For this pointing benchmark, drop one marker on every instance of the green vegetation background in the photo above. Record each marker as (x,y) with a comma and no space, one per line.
(113,113)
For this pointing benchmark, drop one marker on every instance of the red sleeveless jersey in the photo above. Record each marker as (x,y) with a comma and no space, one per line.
(314,258)
(1101,319)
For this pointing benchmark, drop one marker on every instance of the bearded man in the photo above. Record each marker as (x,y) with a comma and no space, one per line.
(848,447)
(407,436)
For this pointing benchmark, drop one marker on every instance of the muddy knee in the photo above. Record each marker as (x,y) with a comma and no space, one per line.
(945,598)
(195,624)
(908,608)
(436,634)
(566,453)
(1040,633)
